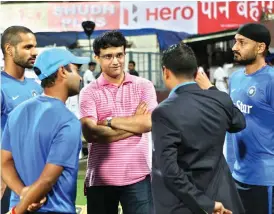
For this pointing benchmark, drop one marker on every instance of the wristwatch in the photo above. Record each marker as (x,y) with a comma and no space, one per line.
(109,121)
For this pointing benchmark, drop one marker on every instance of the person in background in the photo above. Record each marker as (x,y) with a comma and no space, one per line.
(89,74)
(131,68)
(18,45)
(220,78)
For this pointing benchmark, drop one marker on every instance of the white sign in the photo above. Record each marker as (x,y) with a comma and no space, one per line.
(175,16)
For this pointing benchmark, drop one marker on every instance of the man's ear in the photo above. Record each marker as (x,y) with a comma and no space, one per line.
(8,49)
(167,73)
(261,47)
(62,74)
(96,58)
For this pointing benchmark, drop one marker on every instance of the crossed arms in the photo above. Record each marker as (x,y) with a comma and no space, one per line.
(121,127)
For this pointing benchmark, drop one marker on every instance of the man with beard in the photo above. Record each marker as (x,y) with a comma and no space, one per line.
(252,91)
(18,45)
(43,152)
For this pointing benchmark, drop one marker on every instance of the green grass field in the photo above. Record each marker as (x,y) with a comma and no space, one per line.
(81,199)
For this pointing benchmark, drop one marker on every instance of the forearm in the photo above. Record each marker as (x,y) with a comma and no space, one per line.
(104,134)
(36,192)
(137,124)
(238,121)
(11,178)
(118,137)
(3,187)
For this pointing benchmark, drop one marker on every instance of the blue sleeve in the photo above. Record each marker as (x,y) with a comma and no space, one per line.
(5,141)
(66,145)
(2,103)
(270,93)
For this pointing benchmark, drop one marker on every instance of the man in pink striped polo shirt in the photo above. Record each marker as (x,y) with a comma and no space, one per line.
(115,112)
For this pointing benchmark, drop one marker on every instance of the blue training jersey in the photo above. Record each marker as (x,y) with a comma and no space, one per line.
(40,131)
(14,92)
(254,146)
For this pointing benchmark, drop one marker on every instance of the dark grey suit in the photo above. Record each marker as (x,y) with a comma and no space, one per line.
(189,170)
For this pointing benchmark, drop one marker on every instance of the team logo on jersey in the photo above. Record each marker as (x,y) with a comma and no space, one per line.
(34,93)
(251,91)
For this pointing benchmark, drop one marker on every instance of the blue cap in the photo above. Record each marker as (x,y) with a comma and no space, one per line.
(51,59)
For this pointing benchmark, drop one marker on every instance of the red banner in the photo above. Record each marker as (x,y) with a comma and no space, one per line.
(68,16)
(218,16)
(191,17)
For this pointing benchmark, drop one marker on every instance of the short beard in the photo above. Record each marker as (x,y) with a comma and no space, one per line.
(248,61)
(245,61)
(20,62)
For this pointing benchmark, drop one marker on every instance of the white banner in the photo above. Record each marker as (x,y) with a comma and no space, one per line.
(182,16)
(168,15)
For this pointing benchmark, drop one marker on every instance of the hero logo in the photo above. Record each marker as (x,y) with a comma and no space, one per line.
(166,13)
(161,14)
(134,16)
(243,107)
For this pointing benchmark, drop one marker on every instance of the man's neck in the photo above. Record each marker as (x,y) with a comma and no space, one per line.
(257,65)
(56,92)
(182,81)
(116,81)
(15,71)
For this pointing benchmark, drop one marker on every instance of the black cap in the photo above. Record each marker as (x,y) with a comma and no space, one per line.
(256,32)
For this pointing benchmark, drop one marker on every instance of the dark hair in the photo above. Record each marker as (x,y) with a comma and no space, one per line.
(109,39)
(11,35)
(132,62)
(219,62)
(50,80)
(91,63)
(266,51)
(181,60)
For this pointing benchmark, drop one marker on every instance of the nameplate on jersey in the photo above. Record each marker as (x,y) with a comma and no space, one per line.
(244,108)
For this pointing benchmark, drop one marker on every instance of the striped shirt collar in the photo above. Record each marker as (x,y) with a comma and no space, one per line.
(102,80)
